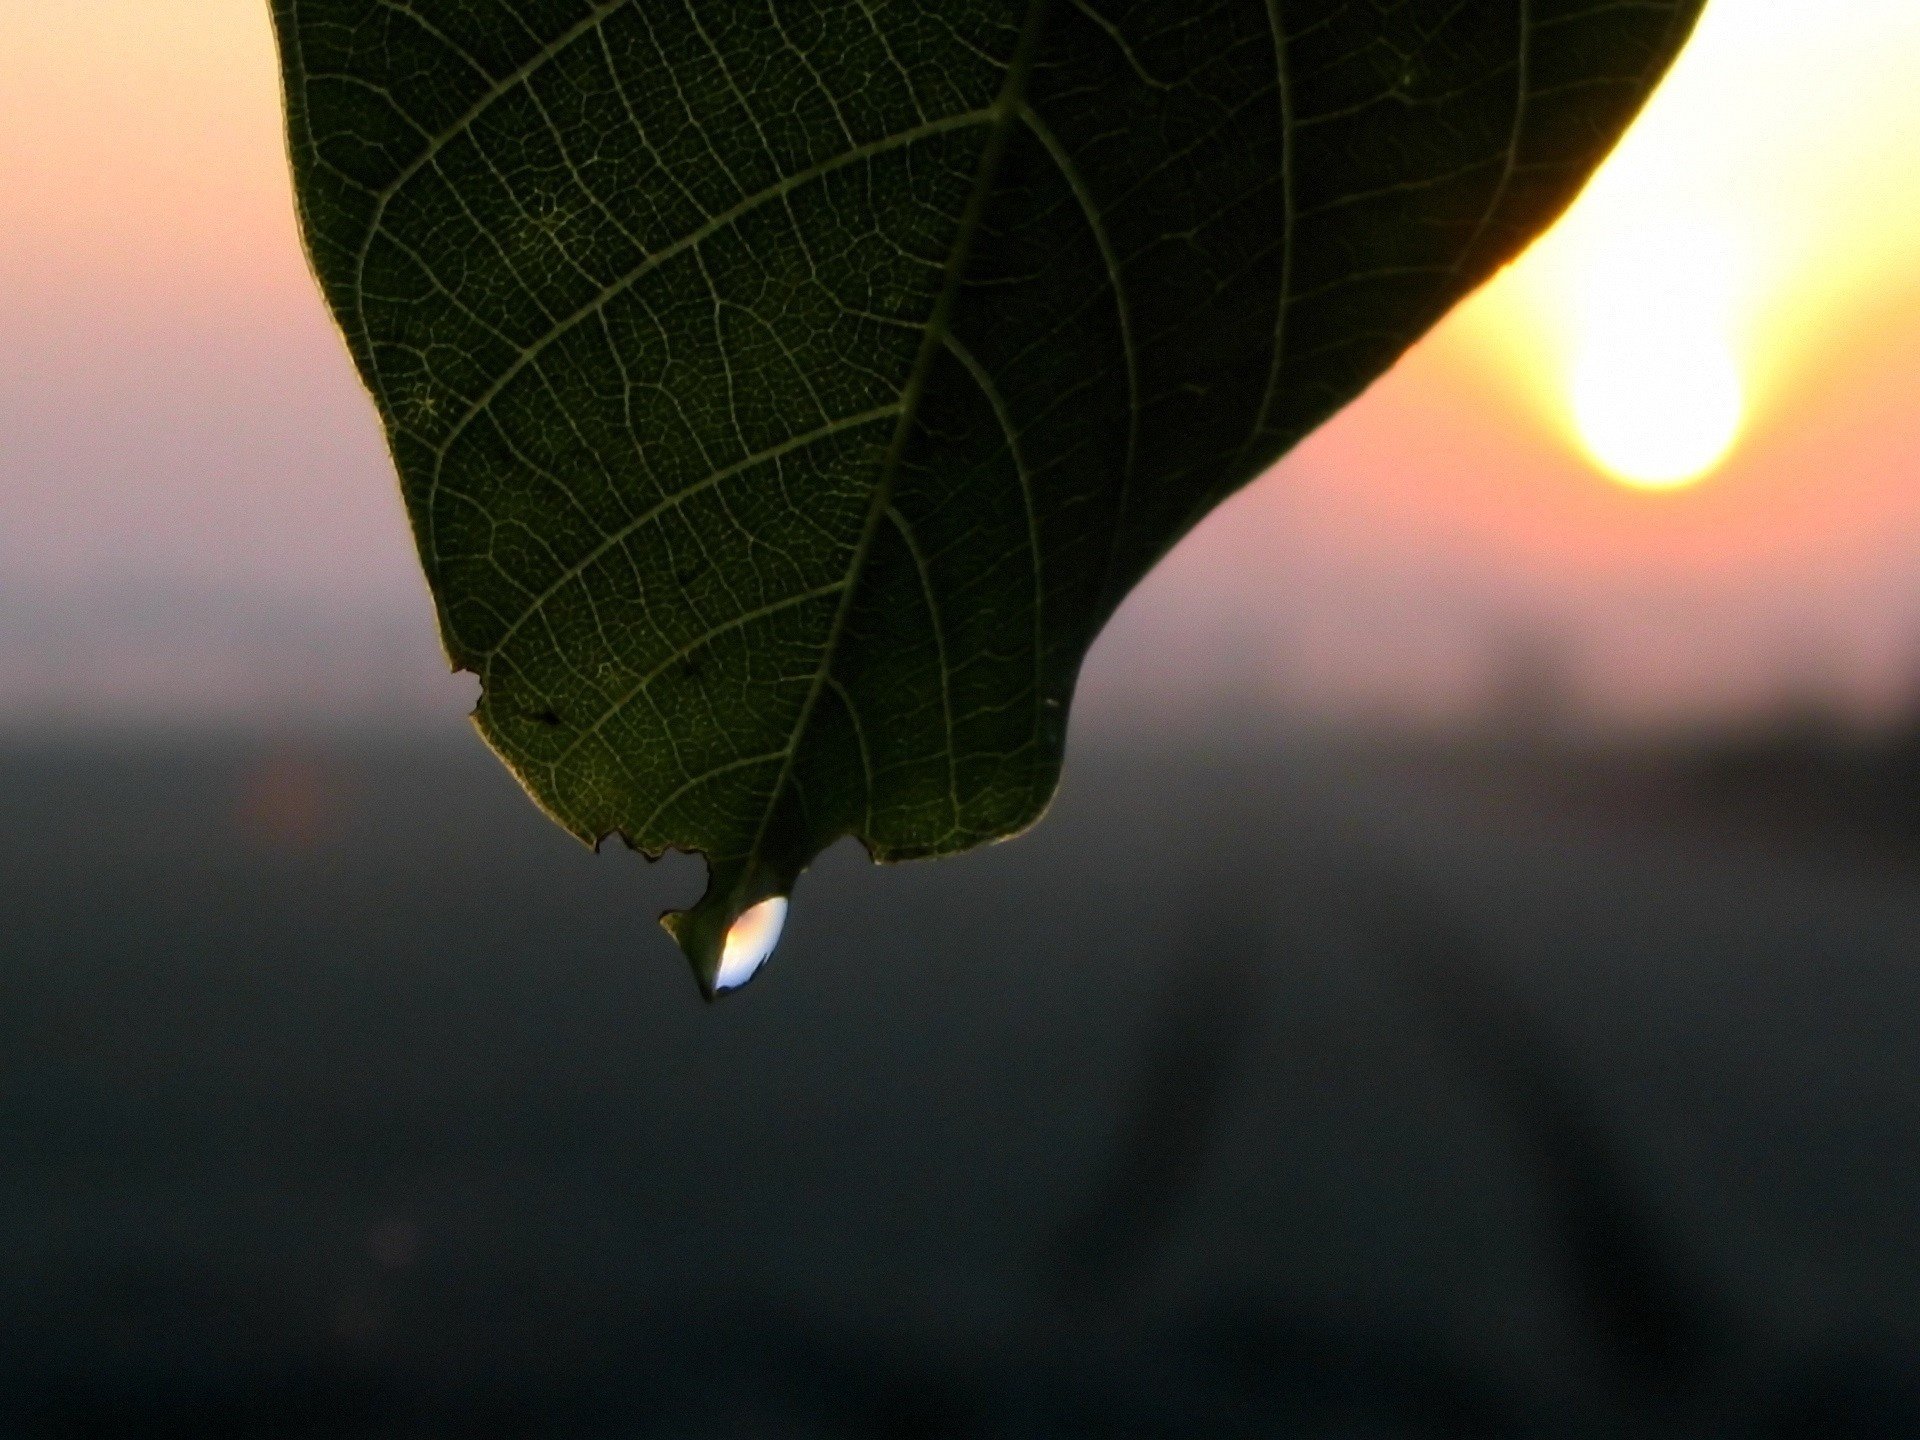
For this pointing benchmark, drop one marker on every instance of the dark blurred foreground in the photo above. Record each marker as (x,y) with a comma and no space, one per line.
(1267,1089)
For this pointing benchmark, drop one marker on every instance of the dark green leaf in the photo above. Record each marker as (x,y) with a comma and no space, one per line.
(786,391)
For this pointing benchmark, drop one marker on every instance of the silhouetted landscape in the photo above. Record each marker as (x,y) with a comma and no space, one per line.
(1272,1087)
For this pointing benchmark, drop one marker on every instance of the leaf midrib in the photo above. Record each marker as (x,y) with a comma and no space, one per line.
(1005,112)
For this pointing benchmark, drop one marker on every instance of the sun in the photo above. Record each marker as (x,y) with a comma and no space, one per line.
(1764,209)
(1655,385)
(1658,417)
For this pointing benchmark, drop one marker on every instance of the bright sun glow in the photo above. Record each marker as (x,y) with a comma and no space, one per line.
(1659,424)
(1655,383)
(1766,202)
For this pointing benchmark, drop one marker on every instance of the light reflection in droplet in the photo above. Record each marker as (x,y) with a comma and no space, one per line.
(749,943)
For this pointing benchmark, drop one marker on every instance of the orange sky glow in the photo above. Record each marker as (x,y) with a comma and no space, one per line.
(1675,443)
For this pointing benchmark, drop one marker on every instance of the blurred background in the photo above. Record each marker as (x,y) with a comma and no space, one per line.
(1467,987)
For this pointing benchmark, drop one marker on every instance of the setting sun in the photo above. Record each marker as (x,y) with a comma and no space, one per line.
(1658,418)
(1729,243)
(1655,382)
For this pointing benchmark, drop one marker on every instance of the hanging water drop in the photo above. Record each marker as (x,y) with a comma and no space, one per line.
(749,943)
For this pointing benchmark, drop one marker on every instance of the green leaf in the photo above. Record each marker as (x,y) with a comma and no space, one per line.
(786,391)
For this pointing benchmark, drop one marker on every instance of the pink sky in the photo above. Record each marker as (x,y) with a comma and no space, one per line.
(177,414)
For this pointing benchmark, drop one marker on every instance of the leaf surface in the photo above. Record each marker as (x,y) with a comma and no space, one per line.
(784,392)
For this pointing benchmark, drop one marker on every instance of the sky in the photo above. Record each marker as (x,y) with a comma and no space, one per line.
(1688,489)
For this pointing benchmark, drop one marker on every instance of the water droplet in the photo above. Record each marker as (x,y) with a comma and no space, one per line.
(749,943)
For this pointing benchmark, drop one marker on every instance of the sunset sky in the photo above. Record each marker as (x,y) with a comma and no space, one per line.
(1696,481)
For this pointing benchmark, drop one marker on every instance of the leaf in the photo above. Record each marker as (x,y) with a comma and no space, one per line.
(785,392)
